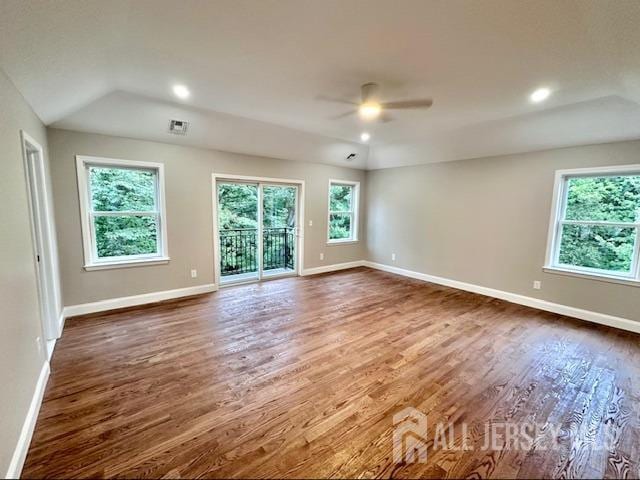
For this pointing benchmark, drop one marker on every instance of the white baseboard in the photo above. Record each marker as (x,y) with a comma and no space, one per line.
(122,302)
(601,318)
(332,268)
(61,319)
(50,345)
(24,440)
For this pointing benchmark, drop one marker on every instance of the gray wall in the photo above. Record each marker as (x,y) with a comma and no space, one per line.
(485,222)
(189,212)
(19,311)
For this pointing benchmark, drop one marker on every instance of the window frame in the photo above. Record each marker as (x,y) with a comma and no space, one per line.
(558,209)
(353,212)
(91,259)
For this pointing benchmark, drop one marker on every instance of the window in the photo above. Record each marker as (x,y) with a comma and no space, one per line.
(343,211)
(595,223)
(122,209)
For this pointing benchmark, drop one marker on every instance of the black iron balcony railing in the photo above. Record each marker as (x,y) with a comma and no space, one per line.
(239,250)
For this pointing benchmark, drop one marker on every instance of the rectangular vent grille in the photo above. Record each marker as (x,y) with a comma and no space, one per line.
(178,127)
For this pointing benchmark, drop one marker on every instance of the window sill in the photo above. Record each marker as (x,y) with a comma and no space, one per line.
(127,263)
(592,276)
(341,242)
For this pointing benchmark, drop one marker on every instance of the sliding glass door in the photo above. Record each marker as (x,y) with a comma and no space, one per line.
(238,231)
(279,215)
(257,230)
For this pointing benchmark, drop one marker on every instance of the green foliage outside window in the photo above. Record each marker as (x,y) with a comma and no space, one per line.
(237,206)
(340,200)
(237,214)
(123,190)
(601,199)
(339,226)
(117,236)
(279,207)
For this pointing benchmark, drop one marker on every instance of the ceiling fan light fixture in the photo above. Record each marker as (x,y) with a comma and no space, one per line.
(369,110)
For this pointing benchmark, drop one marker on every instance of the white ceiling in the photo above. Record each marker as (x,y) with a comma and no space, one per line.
(256,70)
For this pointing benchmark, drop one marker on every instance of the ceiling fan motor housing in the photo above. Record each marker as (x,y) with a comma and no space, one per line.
(370,92)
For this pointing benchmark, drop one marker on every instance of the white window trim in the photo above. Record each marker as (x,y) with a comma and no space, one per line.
(91,260)
(355,208)
(558,205)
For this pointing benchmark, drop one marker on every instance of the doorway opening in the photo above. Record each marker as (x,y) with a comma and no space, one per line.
(43,234)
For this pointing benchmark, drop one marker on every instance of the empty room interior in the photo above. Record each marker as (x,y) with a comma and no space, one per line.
(320,239)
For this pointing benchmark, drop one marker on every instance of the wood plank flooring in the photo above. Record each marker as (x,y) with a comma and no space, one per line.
(301,377)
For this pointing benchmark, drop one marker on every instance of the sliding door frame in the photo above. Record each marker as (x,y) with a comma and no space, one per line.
(221,177)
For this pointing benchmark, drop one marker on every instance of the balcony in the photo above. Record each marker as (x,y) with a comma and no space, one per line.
(239,252)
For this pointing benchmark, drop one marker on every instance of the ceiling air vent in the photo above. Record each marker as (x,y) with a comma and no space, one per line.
(351,157)
(178,127)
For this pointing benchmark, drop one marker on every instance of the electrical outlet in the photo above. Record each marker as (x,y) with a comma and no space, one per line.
(311,223)
(537,284)
(194,273)
(322,256)
(393,257)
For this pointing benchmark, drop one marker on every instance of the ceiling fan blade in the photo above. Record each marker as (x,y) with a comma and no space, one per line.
(343,115)
(422,103)
(326,98)
(385,117)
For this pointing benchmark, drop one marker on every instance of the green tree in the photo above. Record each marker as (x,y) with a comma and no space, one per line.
(237,213)
(123,190)
(279,217)
(237,206)
(340,200)
(607,199)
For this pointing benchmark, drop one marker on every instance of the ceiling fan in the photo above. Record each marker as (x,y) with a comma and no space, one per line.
(371,108)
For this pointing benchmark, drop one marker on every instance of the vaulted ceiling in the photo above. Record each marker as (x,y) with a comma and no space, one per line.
(257,71)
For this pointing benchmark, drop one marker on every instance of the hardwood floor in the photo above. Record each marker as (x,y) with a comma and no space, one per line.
(301,377)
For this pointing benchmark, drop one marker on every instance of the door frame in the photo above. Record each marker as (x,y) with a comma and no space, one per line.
(45,252)
(215,178)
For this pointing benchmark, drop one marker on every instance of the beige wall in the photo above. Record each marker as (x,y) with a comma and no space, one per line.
(485,222)
(481,221)
(189,212)
(20,357)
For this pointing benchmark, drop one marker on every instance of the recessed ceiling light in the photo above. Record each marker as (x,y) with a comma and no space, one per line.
(369,110)
(540,95)
(181,91)
(365,137)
